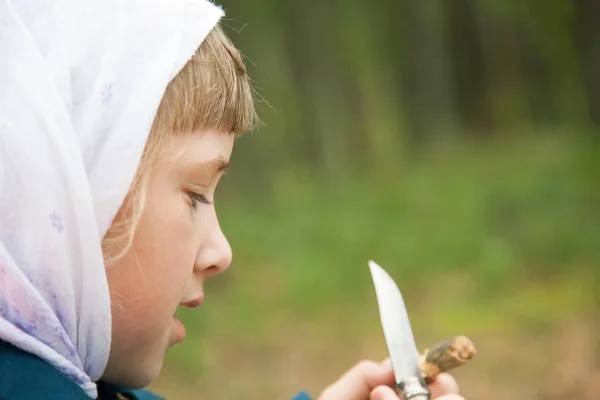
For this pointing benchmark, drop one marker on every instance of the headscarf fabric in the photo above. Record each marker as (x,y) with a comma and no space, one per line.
(80,83)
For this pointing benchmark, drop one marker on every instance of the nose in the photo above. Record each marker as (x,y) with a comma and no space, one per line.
(215,255)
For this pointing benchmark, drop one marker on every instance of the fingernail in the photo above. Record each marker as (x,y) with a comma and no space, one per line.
(376,395)
(447,382)
(386,363)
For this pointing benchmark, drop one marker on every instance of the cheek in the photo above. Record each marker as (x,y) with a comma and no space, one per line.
(166,250)
(149,282)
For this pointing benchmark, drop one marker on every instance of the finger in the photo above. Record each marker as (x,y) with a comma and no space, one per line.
(387,363)
(443,384)
(372,376)
(383,393)
(451,397)
(359,381)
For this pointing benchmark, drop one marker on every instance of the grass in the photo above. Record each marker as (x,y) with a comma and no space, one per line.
(484,236)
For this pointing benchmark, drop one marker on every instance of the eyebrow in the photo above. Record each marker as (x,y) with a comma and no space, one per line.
(222,164)
(219,163)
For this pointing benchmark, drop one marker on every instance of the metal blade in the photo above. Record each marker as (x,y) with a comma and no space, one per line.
(396,325)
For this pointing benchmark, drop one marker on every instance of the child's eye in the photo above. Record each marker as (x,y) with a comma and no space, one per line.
(198,198)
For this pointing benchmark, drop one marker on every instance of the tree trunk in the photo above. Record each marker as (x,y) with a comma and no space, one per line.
(588,46)
(471,74)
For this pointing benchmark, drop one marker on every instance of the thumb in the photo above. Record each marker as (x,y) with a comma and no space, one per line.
(383,393)
(358,382)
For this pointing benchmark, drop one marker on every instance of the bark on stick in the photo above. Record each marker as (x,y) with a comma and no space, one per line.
(445,356)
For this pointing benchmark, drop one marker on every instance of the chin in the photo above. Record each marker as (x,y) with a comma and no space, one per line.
(137,376)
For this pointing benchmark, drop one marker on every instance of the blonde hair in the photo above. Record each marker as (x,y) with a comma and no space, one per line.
(211,92)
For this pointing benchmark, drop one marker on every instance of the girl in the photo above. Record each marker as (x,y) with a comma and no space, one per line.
(117,120)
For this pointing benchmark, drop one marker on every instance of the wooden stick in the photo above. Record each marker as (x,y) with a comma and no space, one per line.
(445,356)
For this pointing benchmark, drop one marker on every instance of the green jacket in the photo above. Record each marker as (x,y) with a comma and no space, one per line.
(24,376)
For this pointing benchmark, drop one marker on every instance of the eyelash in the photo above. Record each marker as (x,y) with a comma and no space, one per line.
(198,198)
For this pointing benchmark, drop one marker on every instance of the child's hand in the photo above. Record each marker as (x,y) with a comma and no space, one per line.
(369,380)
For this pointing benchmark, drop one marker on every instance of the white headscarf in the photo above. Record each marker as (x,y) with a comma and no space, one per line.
(80,82)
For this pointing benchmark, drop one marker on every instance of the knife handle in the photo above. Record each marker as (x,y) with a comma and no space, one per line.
(412,388)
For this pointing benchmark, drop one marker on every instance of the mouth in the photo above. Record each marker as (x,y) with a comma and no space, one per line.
(195,302)
(179,329)
(178,326)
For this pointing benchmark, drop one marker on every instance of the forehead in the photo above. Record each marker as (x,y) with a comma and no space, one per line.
(202,147)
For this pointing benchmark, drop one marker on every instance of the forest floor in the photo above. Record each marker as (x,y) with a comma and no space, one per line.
(498,241)
(517,357)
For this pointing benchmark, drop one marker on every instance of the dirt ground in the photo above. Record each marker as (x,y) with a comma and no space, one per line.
(550,363)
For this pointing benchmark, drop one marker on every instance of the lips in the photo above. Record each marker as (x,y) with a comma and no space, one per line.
(178,325)
(179,329)
(195,302)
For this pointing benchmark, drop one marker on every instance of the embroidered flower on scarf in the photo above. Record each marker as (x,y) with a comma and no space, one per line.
(56,222)
(107,93)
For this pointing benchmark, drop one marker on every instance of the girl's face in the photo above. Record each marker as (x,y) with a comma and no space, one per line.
(178,244)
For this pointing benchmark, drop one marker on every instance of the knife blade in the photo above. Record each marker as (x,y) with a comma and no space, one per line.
(398,335)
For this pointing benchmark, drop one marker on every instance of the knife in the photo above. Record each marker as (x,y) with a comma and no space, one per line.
(398,336)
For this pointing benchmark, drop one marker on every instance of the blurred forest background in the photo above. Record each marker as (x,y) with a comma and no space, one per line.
(456,143)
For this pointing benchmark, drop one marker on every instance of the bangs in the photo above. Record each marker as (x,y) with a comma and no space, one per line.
(211,92)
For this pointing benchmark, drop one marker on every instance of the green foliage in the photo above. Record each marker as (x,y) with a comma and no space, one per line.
(505,219)
(445,140)
(489,207)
